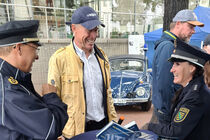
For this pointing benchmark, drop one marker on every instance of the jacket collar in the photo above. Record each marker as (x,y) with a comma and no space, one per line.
(9,70)
(166,36)
(195,84)
(96,49)
(99,53)
(170,35)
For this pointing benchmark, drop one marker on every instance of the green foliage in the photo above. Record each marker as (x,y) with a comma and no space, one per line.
(114,34)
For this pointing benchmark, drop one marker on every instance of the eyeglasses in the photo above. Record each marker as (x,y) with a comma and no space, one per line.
(36,48)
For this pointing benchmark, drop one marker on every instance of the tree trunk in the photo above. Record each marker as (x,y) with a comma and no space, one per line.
(171,7)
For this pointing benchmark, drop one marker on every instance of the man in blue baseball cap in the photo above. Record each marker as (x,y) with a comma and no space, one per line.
(24,113)
(81,74)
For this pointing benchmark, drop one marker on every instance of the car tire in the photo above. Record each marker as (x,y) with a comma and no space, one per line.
(146,106)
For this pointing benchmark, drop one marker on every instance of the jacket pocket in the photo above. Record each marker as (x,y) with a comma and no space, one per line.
(70,87)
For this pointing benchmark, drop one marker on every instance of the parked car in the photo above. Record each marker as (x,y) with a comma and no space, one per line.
(131,81)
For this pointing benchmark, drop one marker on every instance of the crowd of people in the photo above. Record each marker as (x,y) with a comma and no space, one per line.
(78,98)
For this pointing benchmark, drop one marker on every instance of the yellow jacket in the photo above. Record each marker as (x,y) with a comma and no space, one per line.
(66,69)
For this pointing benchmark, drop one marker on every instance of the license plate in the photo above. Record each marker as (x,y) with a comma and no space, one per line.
(119,101)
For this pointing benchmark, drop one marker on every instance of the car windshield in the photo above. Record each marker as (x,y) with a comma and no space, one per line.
(126,64)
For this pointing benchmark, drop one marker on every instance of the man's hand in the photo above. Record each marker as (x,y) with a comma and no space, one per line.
(47,88)
(61,138)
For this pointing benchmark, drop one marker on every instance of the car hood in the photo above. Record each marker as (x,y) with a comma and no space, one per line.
(124,82)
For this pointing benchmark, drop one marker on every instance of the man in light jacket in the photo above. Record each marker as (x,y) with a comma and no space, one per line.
(81,73)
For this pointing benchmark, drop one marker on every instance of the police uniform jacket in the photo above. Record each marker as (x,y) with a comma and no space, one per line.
(191,113)
(66,69)
(24,115)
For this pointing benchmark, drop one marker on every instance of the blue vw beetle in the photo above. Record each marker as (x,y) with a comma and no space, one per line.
(131,81)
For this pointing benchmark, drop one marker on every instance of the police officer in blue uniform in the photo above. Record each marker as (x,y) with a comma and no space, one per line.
(25,114)
(191,105)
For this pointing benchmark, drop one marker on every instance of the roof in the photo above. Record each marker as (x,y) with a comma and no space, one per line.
(130,56)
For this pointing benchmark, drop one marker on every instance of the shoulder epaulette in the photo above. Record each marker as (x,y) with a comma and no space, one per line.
(195,87)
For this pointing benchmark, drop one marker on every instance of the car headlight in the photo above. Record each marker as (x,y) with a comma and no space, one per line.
(140,91)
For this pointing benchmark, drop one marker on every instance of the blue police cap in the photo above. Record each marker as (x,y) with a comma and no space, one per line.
(87,17)
(22,31)
(186,52)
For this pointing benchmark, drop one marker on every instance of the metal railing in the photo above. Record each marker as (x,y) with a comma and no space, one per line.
(54,33)
(52,21)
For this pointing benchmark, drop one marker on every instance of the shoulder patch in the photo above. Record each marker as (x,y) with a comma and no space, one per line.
(181,114)
(12,81)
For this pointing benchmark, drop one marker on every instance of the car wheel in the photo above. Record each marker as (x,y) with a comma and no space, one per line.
(146,106)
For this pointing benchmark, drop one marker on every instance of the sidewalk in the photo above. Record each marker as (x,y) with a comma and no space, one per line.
(134,114)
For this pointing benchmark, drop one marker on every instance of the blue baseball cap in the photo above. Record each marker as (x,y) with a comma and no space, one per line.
(189,16)
(87,17)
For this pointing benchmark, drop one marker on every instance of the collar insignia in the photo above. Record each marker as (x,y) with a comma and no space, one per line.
(181,114)
(12,81)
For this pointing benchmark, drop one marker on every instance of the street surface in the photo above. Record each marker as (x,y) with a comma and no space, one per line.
(134,114)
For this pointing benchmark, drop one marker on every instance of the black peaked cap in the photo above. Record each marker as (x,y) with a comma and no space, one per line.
(186,52)
(22,31)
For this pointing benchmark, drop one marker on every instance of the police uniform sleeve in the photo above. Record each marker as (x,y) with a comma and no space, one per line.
(184,120)
(59,110)
(31,117)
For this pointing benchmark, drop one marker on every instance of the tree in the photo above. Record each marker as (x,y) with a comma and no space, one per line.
(171,7)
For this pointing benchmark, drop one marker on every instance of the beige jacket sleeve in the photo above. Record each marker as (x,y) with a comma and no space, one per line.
(54,75)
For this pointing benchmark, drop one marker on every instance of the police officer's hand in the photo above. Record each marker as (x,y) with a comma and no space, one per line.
(47,88)
(61,138)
